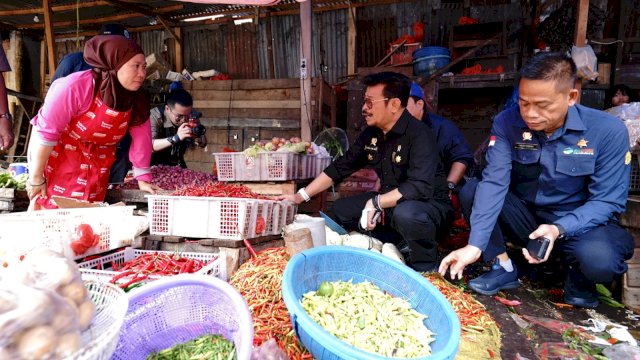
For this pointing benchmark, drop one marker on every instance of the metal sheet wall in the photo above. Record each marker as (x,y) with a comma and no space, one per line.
(330,29)
(153,42)
(204,48)
(286,46)
(241,46)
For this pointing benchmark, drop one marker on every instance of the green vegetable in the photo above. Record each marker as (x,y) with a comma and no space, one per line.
(602,290)
(369,319)
(325,289)
(207,347)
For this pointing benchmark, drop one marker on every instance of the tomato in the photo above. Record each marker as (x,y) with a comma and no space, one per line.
(325,289)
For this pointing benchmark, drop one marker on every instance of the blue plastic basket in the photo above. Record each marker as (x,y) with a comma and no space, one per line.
(308,269)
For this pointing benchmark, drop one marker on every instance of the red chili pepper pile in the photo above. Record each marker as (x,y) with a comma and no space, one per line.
(154,264)
(218,189)
(260,282)
(472,314)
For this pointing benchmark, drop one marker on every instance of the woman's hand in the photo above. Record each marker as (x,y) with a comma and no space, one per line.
(148,187)
(36,186)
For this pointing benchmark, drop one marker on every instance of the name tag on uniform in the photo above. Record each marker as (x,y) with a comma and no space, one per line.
(526,146)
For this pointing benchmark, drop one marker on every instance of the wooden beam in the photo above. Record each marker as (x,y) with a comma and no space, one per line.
(178,50)
(48,31)
(53,8)
(580,34)
(106,19)
(148,12)
(352,33)
(43,67)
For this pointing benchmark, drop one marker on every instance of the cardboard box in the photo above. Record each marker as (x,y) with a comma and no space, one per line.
(156,63)
(174,76)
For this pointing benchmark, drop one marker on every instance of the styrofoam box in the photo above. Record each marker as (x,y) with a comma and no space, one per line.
(89,270)
(208,217)
(52,229)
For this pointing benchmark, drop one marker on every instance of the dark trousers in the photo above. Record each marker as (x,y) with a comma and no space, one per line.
(416,222)
(121,165)
(593,256)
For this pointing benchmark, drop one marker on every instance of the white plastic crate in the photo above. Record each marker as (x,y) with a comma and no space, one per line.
(236,166)
(288,214)
(206,217)
(321,163)
(279,166)
(52,229)
(101,268)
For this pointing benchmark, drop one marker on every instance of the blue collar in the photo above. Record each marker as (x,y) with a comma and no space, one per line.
(573,122)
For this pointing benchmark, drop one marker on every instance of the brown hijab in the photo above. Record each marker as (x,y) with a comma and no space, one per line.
(106,54)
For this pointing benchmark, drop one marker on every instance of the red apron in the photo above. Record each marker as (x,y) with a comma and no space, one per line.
(79,164)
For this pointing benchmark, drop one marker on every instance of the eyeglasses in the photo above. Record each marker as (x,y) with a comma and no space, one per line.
(369,103)
(177,116)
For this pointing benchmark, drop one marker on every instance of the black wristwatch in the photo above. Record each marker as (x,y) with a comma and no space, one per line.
(174,139)
(562,233)
(451,185)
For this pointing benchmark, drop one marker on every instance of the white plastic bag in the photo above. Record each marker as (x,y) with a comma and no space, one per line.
(586,62)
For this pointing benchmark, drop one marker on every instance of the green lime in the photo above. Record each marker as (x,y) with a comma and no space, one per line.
(325,289)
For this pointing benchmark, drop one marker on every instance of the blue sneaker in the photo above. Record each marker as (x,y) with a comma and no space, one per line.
(585,296)
(495,280)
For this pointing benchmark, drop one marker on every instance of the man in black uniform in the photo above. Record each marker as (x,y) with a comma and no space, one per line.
(413,200)
(170,129)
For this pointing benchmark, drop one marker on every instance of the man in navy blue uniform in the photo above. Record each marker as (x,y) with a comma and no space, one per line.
(555,169)
(455,152)
(413,198)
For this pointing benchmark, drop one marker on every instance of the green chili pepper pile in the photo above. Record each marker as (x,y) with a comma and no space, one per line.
(369,319)
(207,347)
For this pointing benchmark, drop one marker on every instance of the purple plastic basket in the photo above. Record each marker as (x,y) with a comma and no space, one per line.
(180,308)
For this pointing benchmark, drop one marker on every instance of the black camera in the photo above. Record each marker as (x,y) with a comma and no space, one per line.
(537,248)
(197,129)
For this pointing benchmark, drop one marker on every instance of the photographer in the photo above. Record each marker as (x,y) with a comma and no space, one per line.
(174,127)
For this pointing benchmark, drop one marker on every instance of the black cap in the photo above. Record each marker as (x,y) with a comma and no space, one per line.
(113,29)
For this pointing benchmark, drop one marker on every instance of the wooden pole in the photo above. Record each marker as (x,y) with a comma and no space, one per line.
(305,81)
(352,33)
(178,49)
(48,32)
(270,63)
(581,33)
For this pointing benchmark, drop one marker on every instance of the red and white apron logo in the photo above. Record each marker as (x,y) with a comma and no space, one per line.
(74,135)
(81,181)
(99,135)
(84,166)
(123,125)
(93,196)
(77,194)
(104,170)
(70,147)
(59,189)
(90,115)
(112,113)
(81,126)
(102,156)
(106,125)
(54,153)
(49,168)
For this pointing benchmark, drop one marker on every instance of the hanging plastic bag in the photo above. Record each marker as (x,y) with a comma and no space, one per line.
(586,62)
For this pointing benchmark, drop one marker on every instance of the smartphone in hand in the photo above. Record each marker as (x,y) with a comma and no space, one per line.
(537,248)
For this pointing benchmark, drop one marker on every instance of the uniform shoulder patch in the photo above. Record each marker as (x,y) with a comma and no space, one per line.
(627,158)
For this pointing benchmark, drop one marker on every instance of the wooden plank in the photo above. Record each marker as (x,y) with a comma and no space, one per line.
(471,43)
(275,124)
(581,33)
(48,31)
(247,104)
(352,33)
(178,49)
(271,94)
(231,115)
(53,8)
(248,84)
(633,275)
(272,189)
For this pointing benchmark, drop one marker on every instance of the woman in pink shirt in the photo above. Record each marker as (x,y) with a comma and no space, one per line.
(82,119)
